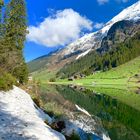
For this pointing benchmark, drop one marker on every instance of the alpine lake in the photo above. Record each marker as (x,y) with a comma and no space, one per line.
(96,115)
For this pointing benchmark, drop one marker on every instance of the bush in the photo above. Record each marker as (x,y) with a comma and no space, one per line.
(21,73)
(53,109)
(52,80)
(6,81)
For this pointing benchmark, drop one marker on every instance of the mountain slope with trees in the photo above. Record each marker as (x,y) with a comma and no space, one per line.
(122,25)
(121,45)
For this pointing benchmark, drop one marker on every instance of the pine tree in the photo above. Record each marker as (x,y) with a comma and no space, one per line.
(1,34)
(12,36)
(1,5)
(15,35)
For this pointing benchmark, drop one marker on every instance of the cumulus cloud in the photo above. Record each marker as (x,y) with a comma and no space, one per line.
(98,25)
(60,28)
(101,2)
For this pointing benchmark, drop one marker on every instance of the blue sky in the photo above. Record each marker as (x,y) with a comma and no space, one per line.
(87,16)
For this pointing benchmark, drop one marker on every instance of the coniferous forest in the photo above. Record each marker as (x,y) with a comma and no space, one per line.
(13,30)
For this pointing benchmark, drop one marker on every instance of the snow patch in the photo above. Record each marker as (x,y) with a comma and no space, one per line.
(83,54)
(93,40)
(82,110)
(21,119)
(106,137)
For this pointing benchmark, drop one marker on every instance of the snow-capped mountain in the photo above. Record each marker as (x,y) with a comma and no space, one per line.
(86,44)
(92,41)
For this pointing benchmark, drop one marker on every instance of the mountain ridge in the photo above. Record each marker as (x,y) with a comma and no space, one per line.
(130,13)
(118,47)
(90,42)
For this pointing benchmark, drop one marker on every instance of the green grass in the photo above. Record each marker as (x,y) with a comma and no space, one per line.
(120,77)
(43,75)
(124,71)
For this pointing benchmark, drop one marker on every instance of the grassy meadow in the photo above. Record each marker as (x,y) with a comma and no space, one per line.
(43,75)
(124,76)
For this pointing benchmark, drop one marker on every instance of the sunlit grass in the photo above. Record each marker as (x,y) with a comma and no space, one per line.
(120,77)
(43,75)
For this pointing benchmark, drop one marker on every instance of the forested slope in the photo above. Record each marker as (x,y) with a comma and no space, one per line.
(121,45)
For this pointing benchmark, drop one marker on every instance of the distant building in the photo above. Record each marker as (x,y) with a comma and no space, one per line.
(30,78)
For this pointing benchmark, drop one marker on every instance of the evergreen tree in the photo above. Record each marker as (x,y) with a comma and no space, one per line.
(1,5)
(1,34)
(12,36)
(15,36)
(16,23)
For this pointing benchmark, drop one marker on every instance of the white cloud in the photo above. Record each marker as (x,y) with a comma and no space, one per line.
(59,29)
(101,2)
(98,25)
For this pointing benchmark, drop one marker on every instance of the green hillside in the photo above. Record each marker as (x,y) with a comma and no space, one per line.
(43,75)
(121,83)
(40,62)
(123,71)
(37,63)
(126,74)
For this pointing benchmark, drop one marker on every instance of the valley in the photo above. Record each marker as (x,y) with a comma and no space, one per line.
(105,95)
(126,75)
(98,72)
(69,73)
(121,83)
(111,97)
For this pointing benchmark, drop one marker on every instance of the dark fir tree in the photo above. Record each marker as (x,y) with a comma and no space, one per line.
(1,33)
(15,35)
(13,30)
(1,5)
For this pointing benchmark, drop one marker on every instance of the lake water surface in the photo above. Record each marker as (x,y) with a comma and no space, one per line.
(109,116)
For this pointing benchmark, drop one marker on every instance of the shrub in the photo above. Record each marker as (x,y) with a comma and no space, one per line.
(6,81)
(52,80)
(53,109)
(21,73)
